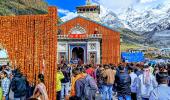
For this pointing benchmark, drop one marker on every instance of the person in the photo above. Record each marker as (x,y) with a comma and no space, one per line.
(76,75)
(145,84)
(90,70)
(7,69)
(86,87)
(133,77)
(138,69)
(40,91)
(156,70)
(100,79)
(11,93)
(162,67)
(1,92)
(65,81)
(5,85)
(30,89)
(74,60)
(18,85)
(113,67)
(62,60)
(168,65)
(162,91)
(59,77)
(123,82)
(109,78)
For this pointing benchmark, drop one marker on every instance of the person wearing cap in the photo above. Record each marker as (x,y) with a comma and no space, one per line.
(146,82)
(162,91)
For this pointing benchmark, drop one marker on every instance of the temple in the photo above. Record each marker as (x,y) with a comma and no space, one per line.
(84,40)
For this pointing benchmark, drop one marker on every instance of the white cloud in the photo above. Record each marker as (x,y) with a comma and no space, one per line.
(68,14)
(147,1)
(116,4)
(63,11)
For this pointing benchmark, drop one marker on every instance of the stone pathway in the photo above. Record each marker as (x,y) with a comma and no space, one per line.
(98,97)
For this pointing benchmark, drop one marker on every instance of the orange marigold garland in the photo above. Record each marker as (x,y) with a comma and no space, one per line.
(30,42)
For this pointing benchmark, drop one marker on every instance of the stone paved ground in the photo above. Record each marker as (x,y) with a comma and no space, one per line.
(99,97)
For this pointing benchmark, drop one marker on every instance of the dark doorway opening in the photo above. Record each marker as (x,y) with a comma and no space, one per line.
(78,53)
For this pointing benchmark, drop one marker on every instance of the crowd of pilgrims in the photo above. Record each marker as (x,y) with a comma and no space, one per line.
(14,86)
(126,81)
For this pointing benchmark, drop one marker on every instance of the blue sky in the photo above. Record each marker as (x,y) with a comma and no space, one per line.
(67,7)
(66,4)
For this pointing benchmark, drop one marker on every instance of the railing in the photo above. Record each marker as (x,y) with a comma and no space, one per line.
(77,36)
(95,36)
(62,36)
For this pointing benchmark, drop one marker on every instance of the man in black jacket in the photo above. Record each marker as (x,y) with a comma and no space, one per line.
(18,85)
(123,82)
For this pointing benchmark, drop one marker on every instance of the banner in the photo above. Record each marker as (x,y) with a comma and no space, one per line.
(77,36)
(132,57)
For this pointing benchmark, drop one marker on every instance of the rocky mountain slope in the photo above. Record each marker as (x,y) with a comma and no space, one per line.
(152,23)
(130,38)
(21,7)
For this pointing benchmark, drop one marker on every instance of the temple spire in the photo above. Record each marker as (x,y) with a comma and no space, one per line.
(89,10)
(88,2)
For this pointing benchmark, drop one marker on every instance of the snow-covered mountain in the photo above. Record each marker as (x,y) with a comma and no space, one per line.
(109,18)
(112,20)
(156,18)
(153,23)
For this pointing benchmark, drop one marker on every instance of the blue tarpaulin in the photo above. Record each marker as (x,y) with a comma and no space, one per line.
(132,57)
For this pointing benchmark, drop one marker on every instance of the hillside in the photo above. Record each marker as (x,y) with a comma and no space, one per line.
(130,40)
(130,36)
(22,7)
(152,23)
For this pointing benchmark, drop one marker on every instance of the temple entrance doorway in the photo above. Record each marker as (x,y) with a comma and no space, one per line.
(78,54)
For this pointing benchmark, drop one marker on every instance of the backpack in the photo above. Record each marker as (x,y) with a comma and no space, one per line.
(90,86)
(18,86)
